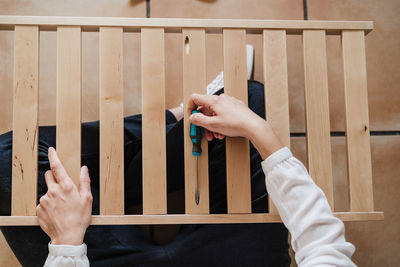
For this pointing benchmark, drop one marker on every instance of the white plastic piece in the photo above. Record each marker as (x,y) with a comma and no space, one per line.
(218,82)
(250,60)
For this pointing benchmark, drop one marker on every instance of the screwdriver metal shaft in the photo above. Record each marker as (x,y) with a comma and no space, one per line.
(197,193)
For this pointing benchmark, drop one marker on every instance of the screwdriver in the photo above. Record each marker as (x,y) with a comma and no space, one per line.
(196,135)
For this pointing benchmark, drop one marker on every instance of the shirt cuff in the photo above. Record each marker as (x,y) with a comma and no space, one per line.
(68,250)
(276,158)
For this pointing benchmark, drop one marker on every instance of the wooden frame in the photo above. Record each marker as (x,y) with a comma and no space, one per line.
(193,31)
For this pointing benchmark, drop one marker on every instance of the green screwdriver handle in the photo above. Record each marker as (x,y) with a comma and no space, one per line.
(196,135)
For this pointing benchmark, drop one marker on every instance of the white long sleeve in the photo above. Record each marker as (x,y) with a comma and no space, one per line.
(317,236)
(67,256)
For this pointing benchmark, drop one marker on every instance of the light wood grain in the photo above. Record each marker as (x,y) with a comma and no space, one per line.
(194,81)
(175,25)
(191,218)
(25,120)
(276,88)
(317,111)
(357,121)
(153,123)
(68,133)
(7,257)
(111,122)
(237,148)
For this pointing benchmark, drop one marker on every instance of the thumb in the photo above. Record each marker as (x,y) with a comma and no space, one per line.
(84,181)
(208,122)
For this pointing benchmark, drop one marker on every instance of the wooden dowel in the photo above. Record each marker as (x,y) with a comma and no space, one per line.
(25,121)
(153,124)
(68,117)
(111,121)
(317,111)
(276,88)
(357,121)
(237,148)
(194,81)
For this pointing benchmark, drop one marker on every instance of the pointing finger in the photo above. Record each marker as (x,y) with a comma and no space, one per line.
(57,168)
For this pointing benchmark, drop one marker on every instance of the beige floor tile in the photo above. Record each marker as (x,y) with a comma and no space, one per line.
(233,9)
(92,8)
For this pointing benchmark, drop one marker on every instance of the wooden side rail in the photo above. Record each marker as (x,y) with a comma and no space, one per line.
(50,23)
(191,218)
(193,33)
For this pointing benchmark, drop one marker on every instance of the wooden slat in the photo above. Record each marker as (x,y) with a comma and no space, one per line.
(194,81)
(237,148)
(25,120)
(153,128)
(174,25)
(68,133)
(357,121)
(276,88)
(317,111)
(111,122)
(191,219)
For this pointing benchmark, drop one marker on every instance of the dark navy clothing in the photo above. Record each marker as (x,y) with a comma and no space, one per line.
(195,245)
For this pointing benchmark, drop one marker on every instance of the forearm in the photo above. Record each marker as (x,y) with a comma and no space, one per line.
(262,136)
(317,236)
(67,256)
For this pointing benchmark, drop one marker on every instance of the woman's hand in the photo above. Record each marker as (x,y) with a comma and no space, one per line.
(224,115)
(64,213)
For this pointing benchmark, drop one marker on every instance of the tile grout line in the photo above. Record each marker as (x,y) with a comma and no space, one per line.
(372,133)
(148,9)
(305,10)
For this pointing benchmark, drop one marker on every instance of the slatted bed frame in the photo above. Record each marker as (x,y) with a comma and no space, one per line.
(193,32)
